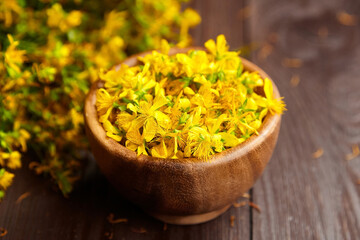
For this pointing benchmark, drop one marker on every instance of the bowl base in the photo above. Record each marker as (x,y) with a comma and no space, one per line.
(190,219)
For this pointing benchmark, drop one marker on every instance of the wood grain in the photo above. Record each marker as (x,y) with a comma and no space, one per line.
(303,197)
(45,214)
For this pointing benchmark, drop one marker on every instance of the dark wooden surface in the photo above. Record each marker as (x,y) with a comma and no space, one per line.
(300,197)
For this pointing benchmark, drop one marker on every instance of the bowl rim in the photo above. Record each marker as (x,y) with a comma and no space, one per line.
(91,120)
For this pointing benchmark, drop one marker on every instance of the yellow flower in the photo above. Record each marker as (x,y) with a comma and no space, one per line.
(55,15)
(111,131)
(159,63)
(161,150)
(194,119)
(164,47)
(24,136)
(114,21)
(214,125)
(189,91)
(230,140)
(13,159)
(135,141)
(189,104)
(7,7)
(186,64)
(275,105)
(219,48)
(115,79)
(189,19)
(104,104)
(76,118)
(201,143)
(124,120)
(6,179)
(58,18)
(115,44)
(74,18)
(2,162)
(14,58)
(206,96)
(151,118)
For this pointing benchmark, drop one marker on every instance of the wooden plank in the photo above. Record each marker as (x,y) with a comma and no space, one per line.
(303,197)
(45,214)
(220,17)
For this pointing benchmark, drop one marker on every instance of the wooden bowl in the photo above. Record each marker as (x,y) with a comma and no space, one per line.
(182,191)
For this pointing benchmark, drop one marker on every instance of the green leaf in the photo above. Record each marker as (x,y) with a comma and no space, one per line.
(2,194)
(239,70)
(64,183)
(120,107)
(2,172)
(186,80)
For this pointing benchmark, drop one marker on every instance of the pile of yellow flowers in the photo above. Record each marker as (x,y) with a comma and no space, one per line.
(49,55)
(186,105)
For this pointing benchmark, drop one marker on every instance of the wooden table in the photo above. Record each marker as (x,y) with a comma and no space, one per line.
(300,196)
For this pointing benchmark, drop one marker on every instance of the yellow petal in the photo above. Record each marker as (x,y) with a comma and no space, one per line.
(149,84)
(211,46)
(105,117)
(187,151)
(113,136)
(188,91)
(141,150)
(150,129)
(130,145)
(164,46)
(146,68)
(217,143)
(255,124)
(111,131)
(6,180)
(190,17)
(203,150)
(160,150)
(263,114)
(251,104)
(200,79)
(268,88)
(138,122)
(134,136)
(14,160)
(24,136)
(229,139)
(132,107)
(162,119)
(144,107)
(221,44)
(217,124)
(184,103)
(109,127)
(124,120)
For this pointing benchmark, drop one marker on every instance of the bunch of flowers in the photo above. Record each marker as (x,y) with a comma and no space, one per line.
(185,105)
(50,53)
